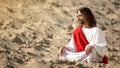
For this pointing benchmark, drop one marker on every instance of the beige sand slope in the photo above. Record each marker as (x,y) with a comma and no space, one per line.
(32,31)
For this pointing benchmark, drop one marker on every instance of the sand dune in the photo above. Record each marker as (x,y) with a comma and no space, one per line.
(32,31)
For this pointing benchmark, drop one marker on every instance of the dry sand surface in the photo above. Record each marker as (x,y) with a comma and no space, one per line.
(32,31)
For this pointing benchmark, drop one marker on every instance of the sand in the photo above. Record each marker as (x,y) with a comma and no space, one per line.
(32,31)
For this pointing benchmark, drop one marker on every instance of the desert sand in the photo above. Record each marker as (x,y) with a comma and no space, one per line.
(32,31)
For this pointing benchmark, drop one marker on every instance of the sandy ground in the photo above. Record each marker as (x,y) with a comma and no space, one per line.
(32,31)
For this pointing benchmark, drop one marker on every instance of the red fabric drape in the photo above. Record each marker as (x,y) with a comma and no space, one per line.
(80,39)
(81,42)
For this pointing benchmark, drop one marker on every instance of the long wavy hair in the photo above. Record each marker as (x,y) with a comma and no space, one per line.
(90,17)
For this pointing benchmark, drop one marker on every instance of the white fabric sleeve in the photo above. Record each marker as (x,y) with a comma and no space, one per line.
(98,42)
(71,45)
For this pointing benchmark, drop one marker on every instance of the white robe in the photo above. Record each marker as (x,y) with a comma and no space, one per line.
(95,38)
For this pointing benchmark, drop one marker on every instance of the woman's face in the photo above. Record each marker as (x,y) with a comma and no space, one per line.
(81,17)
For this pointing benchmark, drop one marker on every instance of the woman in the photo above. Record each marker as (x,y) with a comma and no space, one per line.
(88,42)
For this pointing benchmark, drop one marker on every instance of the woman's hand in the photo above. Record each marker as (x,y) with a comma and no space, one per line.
(88,50)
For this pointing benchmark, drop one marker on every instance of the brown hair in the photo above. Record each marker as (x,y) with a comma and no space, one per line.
(90,17)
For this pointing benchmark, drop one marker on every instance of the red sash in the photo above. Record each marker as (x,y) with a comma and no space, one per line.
(81,42)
